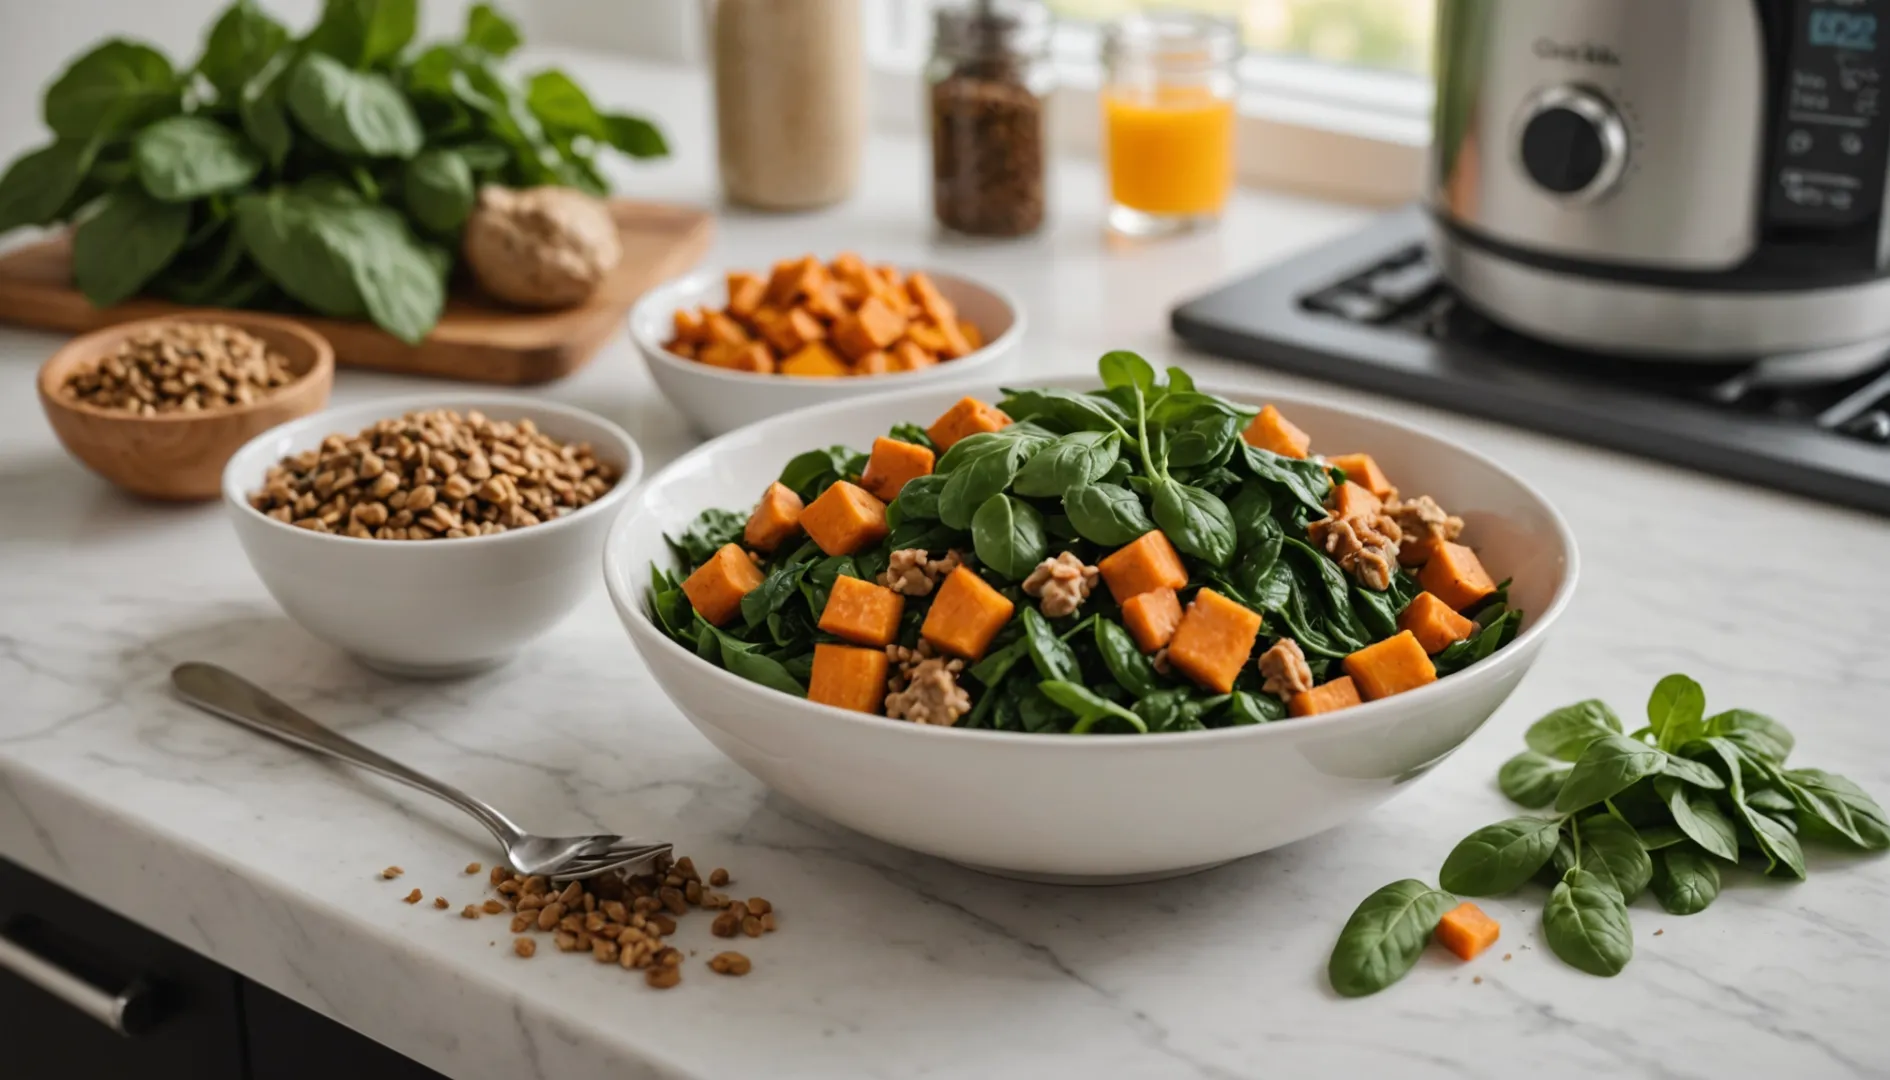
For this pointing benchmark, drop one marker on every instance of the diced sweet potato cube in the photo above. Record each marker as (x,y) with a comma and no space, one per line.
(932,302)
(1416,551)
(848,678)
(1434,625)
(745,291)
(1147,563)
(1391,666)
(789,331)
(1351,500)
(716,588)
(877,362)
(1327,697)
(825,301)
(891,275)
(689,328)
(862,612)
(753,356)
(775,520)
(908,356)
(815,361)
(1214,639)
(875,325)
(927,336)
(973,336)
(684,349)
(1455,574)
(1362,470)
(1152,617)
(891,464)
(720,353)
(848,266)
(844,519)
(969,417)
(722,330)
(1467,931)
(966,614)
(793,279)
(955,343)
(1271,431)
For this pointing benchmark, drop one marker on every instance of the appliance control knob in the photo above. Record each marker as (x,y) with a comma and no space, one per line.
(1573,143)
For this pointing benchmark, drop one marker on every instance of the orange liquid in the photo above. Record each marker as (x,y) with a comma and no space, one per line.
(1172,153)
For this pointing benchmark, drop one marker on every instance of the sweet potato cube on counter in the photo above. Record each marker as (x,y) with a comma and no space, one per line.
(745,291)
(966,614)
(1144,564)
(1391,666)
(1435,626)
(845,519)
(874,325)
(1271,431)
(719,329)
(776,518)
(891,464)
(969,417)
(931,302)
(716,588)
(848,678)
(908,356)
(972,335)
(1324,698)
(753,356)
(815,361)
(1362,470)
(1351,500)
(1152,617)
(1467,931)
(1214,639)
(862,612)
(1455,574)
(689,327)
(789,331)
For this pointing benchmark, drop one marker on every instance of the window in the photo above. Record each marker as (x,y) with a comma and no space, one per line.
(1388,35)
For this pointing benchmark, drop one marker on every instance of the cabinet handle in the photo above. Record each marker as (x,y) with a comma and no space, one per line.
(126,1012)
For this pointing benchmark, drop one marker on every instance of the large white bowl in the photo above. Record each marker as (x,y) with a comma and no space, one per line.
(429,607)
(717,400)
(1097,808)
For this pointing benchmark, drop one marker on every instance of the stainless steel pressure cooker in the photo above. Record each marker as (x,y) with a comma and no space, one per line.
(1681,179)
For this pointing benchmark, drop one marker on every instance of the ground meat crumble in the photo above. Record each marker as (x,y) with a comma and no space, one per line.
(1062,583)
(1367,547)
(911,572)
(1285,671)
(924,687)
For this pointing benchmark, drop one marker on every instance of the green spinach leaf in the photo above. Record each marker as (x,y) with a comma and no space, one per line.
(1586,924)
(1385,935)
(37,187)
(1052,656)
(1124,660)
(1567,731)
(437,188)
(1841,804)
(706,535)
(181,158)
(116,251)
(1685,880)
(240,42)
(1612,851)
(1081,457)
(364,33)
(1106,514)
(1607,767)
(1700,818)
(1089,707)
(1498,858)
(1008,536)
(1753,733)
(1677,711)
(491,32)
(357,113)
(116,87)
(1531,779)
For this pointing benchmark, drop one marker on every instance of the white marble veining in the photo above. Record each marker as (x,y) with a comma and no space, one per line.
(890,964)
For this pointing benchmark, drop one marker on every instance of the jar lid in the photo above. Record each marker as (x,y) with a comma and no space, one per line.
(973,28)
(1172,38)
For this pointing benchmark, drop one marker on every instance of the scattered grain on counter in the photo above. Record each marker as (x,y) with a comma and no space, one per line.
(440,902)
(473,868)
(182,367)
(470,911)
(1478,980)
(493,907)
(718,877)
(391,873)
(433,475)
(730,963)
(415,896)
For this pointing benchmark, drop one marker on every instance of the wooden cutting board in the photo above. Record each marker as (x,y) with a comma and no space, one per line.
(476,339)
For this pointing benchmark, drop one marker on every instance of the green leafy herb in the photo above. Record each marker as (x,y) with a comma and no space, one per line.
(1605,769)
(1566,732)
(116,251)
(1089,707)
(437,188)
(357,113)
(1677,711)
(1498,858)
(1080,457)
(1698,815)
(1196,522)
(1532,780)
(1686,881)
(1382,939)
(1586,924)
(1106,514)
(1008,536)
(1612,851)
(181,158)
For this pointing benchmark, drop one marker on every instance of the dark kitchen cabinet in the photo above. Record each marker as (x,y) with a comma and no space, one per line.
(183,1017)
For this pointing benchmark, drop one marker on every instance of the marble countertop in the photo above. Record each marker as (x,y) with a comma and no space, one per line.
(890,964)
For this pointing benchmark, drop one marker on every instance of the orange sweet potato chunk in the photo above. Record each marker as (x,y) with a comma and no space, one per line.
(1391,666)
(1434,625)
(795,278)
(909,356)
(753,356)
(1338,694)
(719,329)
(965,616)
(1467,931)
(689,327)
(1362,470)
(745,291)
(848,678)
(892,463)
(716,588)
(844,519)
(927,336)
(973,336)
(1351,500)
(877,362)
(873,325)
(1152,618)
(1455,574)
(862,612)
(789,331)
(969,417)
(1144,564)
(1271,431)
(1214,639)
(955,343)
(776,519)
(815,361)
(932,302)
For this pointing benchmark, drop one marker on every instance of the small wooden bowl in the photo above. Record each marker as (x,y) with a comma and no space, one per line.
(180,456)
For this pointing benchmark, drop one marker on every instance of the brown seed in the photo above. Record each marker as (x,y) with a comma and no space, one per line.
(692,891)
(673,901)
(584,940)
(493,907)
(415,896)
(758,906)
(663,978)
(550,914)
(499,876)
(469,912)
(529,903)
(594,922)
(604,951)
(509,887)
(391,873)
(669,957)
(525,947)
(572,894)
(440,902)
(718,877)
(686,866)
(534,885)
(573,923)
(752,926)
(566,942)
(616,912)
(523,922)
(663,924)
(767,923)
(730,963)
(727,924)
(1506,956)
(1657,933)
(474,868)
(643,905)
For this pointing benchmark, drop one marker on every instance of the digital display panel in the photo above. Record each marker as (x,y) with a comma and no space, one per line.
(1843,30)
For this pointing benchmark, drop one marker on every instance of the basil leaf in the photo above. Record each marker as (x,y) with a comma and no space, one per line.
(37,187)
(1089,707)
(1385,935)
(362,33)
(119,86)
(1052,656)
(491,32)
(1196,522)
(1179,380)
(1685,880)
(1612,851)
(1498,858)
(1772,801)
(635,136)
(437,189)
(1530,779)
(1700,818)
(1840,804)
(1586,924)
(1656,837)
(1080,457)
(1567,731)
(1606,768)
(1691,772)
(357,113)
(1753,733)
(240,42)
(1008,536)
(818,582)
(123,246)
(1106,514)
(1676,711)
(563,106)
(1124,368)
(1124,660)
(182,158)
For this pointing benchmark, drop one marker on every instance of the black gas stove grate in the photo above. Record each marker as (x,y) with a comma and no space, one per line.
(1370,310)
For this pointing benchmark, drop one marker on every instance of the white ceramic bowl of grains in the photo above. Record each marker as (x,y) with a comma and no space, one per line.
(1091,808)
(391,574)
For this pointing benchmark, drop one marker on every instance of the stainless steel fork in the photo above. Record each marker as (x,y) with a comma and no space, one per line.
(225,694)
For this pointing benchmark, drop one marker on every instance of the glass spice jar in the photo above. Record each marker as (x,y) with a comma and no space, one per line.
(989,80)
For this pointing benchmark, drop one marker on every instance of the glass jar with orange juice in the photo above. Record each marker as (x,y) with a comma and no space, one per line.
(1168,120)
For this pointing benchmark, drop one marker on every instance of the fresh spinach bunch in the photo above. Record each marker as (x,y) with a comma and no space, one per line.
(1083,473)
(1663,808)
(331,172)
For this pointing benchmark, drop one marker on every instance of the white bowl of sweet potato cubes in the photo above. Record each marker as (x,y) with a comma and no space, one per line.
(732,348)
(950,621)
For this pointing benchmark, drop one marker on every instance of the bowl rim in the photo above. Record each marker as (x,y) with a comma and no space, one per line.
(485,400)
(662,295)
(631,607)
(322,371)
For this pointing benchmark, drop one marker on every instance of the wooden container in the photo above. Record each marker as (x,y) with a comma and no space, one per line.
(180,456)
